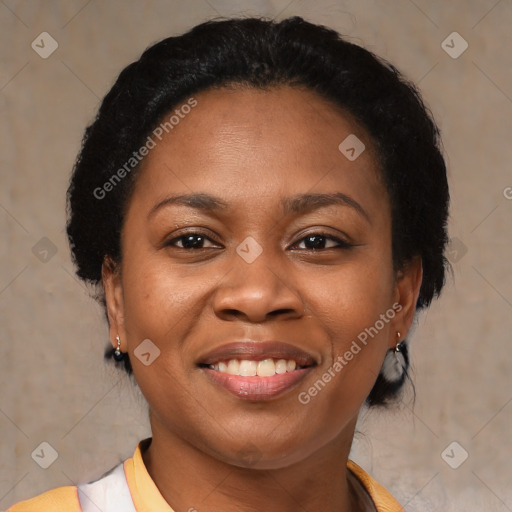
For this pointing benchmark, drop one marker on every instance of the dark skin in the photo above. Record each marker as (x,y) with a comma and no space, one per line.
(252,149)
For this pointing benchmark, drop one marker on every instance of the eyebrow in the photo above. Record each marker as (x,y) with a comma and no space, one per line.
(203,202)
(304,203)
(299,204)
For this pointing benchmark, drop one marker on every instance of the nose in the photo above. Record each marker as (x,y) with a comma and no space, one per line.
(256,292)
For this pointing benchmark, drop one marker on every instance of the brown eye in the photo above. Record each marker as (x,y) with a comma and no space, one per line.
(191,241)
(320,241)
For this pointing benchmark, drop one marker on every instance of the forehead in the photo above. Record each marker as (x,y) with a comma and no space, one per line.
(246,143)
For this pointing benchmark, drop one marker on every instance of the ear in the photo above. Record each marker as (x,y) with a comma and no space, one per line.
(111,278)
(407,290)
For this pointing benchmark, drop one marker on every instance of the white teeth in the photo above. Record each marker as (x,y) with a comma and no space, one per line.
(281,366)
(234,367)
(248,368)
(266,368)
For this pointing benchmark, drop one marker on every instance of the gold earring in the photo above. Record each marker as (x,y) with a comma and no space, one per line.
(118,355)
(396,362)
(398,345)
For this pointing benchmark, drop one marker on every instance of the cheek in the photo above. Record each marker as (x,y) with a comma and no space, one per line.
(350,309)
(160,305)
(351,299)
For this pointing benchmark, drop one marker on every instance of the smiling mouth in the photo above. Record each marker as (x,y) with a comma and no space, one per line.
(252,368)
(256,371)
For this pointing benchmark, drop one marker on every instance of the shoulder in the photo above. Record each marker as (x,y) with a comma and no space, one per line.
(61,499)
(66,499)
(382,499)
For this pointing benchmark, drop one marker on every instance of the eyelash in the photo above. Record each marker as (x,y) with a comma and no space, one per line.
(341,244)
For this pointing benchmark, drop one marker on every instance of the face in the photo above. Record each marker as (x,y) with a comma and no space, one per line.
(255,257)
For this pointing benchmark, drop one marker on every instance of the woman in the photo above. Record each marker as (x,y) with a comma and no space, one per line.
(263,207)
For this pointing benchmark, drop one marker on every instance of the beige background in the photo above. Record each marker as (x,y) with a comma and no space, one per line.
(54,384)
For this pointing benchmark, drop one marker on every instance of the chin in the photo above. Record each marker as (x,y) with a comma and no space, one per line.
(273,456)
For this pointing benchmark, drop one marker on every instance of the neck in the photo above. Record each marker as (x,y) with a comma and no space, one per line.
(189,478)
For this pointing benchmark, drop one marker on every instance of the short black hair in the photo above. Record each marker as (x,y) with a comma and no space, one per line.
(262,53)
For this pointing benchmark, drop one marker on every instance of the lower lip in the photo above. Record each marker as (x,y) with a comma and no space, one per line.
(257,388)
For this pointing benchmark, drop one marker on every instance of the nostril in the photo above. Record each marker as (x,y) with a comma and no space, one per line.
(232,312)
(279,312)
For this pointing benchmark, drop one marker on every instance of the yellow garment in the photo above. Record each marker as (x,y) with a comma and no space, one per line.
(147,498)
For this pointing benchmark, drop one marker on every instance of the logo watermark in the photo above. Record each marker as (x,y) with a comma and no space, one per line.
(137,156)
(362,339)
(454,455)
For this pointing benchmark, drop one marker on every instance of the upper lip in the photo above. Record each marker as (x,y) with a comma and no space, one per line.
(257,351)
